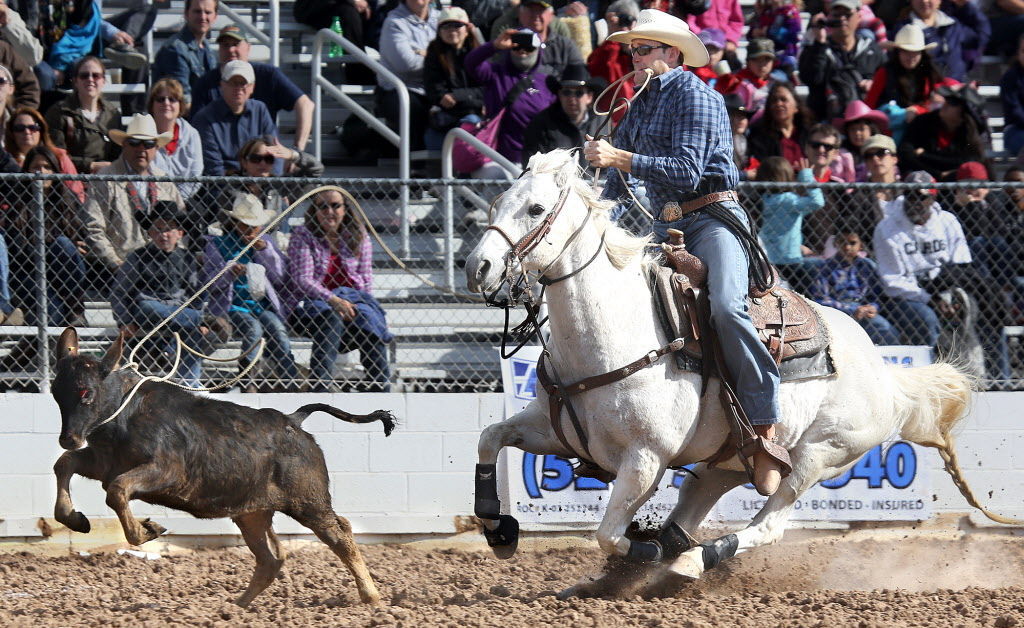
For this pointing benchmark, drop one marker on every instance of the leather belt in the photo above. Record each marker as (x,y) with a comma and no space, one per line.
(673,211)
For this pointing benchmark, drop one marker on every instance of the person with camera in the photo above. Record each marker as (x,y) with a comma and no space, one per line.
(513,81)
(676,138)
(838,63)
(539,16)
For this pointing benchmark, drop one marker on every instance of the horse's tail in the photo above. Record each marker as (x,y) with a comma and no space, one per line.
(934,399)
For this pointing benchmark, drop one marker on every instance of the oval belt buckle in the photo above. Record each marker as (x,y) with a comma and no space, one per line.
(671,212)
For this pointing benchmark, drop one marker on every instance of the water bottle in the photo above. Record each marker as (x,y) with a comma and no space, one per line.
(336,50)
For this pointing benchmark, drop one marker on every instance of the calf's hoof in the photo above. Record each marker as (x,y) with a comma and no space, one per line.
(153,530)
(78,522)
(504,539)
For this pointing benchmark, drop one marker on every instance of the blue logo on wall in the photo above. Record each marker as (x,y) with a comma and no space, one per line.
(524,378)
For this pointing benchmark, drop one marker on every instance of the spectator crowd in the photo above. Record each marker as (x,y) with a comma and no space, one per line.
(890,99)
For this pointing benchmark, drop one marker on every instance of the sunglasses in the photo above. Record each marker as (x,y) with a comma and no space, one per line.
(85,76)
(327,206)
(135,142)
(822,145)
(255,159)
(643,51)
(21,128)
(877,154)
(165,99)
(451,26)
(4,80)
(572,93)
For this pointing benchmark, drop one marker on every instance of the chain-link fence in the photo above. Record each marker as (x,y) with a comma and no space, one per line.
(372,296)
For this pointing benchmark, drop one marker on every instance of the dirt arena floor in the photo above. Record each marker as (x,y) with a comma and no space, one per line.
(892,580)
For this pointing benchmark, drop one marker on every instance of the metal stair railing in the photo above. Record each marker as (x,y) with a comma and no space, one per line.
(448,173)
(400,139)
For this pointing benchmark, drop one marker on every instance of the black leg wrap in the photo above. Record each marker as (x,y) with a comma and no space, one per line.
(487,505)
(644,552)
(507,532)
(718,550)
(674,541)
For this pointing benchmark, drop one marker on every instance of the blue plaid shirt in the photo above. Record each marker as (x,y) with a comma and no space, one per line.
(678,131)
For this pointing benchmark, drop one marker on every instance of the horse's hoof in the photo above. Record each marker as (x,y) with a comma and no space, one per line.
(689,566)
(568,594)
(504,539)
(78,522)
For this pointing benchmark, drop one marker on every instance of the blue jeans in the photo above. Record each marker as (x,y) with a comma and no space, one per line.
(187,322)
(1013,139)
(65,280)
(918,321)
(331,334)
(5,271)
(753,370)
(250,328)
(880,330)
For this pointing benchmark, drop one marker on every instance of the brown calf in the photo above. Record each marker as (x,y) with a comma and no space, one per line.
(207,457)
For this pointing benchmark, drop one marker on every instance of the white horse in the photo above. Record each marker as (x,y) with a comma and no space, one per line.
(602,318)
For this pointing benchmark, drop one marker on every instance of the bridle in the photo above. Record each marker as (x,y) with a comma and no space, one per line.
(516,285)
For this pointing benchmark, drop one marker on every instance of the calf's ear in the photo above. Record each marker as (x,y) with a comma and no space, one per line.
(112,359)
(68,343)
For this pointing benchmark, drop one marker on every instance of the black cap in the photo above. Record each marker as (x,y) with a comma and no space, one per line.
(576,76)
(735,102)
(162,210)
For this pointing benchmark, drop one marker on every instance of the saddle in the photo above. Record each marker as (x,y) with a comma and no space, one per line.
(788,326)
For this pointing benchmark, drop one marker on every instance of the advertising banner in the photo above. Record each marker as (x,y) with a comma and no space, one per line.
(887,484)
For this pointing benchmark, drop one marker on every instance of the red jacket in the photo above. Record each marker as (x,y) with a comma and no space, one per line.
(611,62)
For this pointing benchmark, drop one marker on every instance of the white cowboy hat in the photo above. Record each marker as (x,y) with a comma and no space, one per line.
(140,127)
(668,29)
(248,210)
(911,39)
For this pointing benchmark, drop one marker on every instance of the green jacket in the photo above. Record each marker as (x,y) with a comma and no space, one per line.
(85,141)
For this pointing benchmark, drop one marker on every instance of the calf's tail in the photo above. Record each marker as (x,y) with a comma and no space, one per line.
(933,399)
(383,416)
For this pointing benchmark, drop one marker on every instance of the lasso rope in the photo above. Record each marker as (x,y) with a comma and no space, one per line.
(617,104)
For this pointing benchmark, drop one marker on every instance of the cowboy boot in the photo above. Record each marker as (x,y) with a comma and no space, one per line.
(768,469)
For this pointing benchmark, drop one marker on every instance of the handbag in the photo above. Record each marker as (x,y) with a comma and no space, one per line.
(465,158)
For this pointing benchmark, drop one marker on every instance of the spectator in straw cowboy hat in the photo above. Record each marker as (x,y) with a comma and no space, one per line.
(247,294)
(568,120)
(114,208)
(677,139)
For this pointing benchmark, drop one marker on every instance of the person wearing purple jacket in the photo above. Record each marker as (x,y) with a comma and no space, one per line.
(515,64)
(247,294)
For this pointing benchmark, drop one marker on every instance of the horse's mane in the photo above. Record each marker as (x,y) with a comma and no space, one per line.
(621,246)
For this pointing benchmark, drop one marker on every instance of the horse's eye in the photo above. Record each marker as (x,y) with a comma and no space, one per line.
(536,209)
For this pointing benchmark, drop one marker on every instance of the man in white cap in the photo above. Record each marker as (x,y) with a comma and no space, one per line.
(677,139)
(227,123)
(114,209)
(839,63)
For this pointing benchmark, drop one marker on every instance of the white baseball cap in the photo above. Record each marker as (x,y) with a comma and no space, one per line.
(238,68)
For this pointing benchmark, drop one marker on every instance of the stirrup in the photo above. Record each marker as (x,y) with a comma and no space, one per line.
(755,445)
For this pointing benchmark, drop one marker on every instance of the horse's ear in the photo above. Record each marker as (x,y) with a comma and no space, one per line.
(112,359)
(68,343)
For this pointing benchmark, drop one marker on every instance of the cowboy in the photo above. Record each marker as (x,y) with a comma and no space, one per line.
(568,119)
(114,209)
(676,138)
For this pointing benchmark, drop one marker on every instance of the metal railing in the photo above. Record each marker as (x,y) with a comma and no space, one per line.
(444,340)
(448,173)
(399,139)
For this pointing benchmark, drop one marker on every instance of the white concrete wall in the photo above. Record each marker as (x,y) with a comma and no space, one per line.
(421,478)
